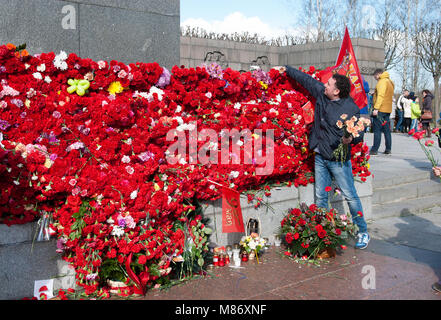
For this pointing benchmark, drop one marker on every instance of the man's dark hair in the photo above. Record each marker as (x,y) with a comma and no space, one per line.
(343,84)
(378,71)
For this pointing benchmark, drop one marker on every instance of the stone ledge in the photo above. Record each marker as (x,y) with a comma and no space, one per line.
(270,220)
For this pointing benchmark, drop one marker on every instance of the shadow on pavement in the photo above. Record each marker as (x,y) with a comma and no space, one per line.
(404,248)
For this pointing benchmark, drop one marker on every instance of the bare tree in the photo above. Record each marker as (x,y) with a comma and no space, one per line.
(429,46)
(319,18)
(388,32)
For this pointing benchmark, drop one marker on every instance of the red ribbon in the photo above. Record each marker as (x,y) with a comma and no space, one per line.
(141,284)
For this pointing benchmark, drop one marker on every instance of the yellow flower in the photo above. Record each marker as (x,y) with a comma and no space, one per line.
(48,163)
(115,87)
(157,187)
(264,85)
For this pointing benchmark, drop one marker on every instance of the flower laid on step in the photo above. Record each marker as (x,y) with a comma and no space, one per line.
(311,230)
(252,243)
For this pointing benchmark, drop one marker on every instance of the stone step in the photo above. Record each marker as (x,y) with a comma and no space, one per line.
(406,207)
(389,179)
(408,191)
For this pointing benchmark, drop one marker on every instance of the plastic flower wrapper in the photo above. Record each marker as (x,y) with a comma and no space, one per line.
(43,232)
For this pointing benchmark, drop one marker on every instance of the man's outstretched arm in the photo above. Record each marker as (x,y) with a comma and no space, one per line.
(315,87)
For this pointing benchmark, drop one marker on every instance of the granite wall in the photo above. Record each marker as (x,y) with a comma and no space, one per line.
(123,30)
(241,56)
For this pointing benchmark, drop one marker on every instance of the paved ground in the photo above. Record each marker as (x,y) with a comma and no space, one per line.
(402,261)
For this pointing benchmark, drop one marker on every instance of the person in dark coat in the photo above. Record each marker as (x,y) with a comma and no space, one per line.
(427,107)
(332,101)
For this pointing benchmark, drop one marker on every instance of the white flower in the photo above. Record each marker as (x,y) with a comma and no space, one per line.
(178,109)
(59,61)
(130,170)
(237,106)
(153,90)
(41,68)
(209,95)
(37,75)
(31,93)
(125,159)
(61,56)
(47,79)
(75,146)
(101,64)
(264,119)
(134,195)
(117,231)
(234,174)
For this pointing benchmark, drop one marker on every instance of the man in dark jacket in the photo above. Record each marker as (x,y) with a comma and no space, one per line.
(332,101)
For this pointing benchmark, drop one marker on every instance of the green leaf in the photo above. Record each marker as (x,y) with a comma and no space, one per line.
(207,230)
(200,261)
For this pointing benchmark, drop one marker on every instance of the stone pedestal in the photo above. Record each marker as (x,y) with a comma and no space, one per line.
(23,261)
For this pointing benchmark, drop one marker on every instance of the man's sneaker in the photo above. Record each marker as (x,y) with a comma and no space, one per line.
(362,241)
(437,286)
(373,153)
(387,152)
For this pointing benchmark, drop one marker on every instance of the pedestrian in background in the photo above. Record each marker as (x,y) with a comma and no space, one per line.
(400,110)
(407,111)
(384,92)
(415,113)
(365,112)
(392,119)
(426,110)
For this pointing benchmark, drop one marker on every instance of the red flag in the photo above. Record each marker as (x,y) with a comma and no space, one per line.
(232,220)
(347,65)
(308,112)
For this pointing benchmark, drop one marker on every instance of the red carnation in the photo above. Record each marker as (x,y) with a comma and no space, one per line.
(289,237)
(328,189)
(321,234)
(142,259)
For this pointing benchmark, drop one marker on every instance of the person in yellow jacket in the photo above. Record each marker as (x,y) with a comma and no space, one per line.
(383,96)
(415,114)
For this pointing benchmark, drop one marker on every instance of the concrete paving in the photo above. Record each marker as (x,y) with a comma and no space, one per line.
(402,261)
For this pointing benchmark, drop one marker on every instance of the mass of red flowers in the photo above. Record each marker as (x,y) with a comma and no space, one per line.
(86,141)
